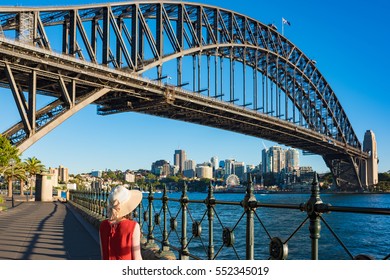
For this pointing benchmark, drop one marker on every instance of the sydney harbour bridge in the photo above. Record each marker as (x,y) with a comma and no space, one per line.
(184,61)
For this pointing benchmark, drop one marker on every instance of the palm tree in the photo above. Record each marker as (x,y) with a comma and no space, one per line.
(18,172)
(33,166)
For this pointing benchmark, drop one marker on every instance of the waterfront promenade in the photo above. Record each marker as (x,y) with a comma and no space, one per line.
(45,231)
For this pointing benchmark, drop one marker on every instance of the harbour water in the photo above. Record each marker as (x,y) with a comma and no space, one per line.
(360,233)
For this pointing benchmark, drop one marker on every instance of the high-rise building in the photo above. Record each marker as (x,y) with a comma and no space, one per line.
(292,160)
(278,159)
(369,171)
(266,161)
(189,168)
(189,164)
(63,174)
(214,163)
(229,167)
(239,170)
(161,168)
(179,158)
(204,171)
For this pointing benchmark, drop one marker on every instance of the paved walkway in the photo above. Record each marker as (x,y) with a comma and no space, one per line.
(46,231)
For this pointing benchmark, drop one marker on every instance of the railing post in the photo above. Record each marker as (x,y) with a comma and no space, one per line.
(315,224)
(85,199)
(165,245)
(105,198)
(95,209)
(184,254)
(166,250)
(100,202)
(250,207)
(89,199)
(210,214)
(142,219)
(150,220)
(105,203)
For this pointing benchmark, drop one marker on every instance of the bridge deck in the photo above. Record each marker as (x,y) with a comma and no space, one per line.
(46,231)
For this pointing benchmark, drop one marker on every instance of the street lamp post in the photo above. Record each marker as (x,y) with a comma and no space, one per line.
(12,163)
(28,183)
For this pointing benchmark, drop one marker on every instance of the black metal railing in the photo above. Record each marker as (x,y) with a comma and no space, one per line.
(217,229)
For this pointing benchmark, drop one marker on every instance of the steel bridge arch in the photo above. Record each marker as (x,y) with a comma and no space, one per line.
(206,31)
(340,135)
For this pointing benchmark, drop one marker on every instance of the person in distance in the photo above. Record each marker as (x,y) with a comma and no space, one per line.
(119,235)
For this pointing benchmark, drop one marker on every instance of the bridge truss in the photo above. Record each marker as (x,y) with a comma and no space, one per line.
(184,61)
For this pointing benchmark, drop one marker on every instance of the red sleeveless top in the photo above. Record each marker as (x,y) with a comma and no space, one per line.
(115,239)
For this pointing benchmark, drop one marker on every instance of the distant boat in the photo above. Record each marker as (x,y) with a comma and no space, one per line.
(231,189)
(157,191)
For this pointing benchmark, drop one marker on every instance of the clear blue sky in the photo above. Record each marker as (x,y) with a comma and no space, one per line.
(349,40)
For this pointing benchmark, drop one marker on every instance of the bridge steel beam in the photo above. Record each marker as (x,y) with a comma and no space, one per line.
(112,45)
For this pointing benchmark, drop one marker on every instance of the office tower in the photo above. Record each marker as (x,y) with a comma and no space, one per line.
(239,170)
(189,168)
(214,162)
(266,161)
(161,168)
(179,158)
(278,159)
(229,168)
(204,171)
(369,170)
(292,160)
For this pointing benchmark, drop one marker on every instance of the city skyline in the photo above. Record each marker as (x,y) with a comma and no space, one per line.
(88,142)
(290,162)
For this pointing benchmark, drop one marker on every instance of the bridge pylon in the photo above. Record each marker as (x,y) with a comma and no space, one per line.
(369,168)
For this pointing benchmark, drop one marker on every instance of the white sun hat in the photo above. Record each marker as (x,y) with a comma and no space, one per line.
(122,201)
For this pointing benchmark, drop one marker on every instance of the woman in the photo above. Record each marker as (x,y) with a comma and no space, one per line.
(120,236)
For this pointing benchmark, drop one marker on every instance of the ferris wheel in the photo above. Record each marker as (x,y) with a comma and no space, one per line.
(232,180)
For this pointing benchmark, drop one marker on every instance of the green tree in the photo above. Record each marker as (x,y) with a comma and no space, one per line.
(384,177)
(33,166)
(114,175)
(327,180)
(269,179)
(8,152)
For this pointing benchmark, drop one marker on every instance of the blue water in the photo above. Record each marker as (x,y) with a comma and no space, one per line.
(360,233)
